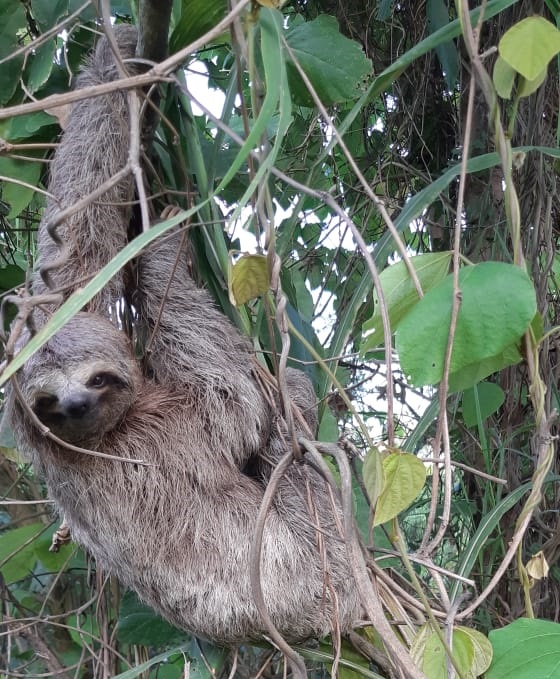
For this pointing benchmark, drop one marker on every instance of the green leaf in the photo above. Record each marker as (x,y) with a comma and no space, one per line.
(325,654)
(348,654)
(138,624)
(504,78)
(167,670)
(11,276)
(361,507)
(207,659)
(417,204)
(472,374)
(139,669)
(537,327)
(481,401)
(23,561)
(303,301)
(248,279)
(40,65)
(384,9)
(15,194)
(197,18)
(13,19)
(437,14)
(417,435)
(525,648)
(47,12)
(373,474)
(10,73)
(276,100)
(328,427)
(335,65)
(486,527)
(25,127)
(400,294)
(530,45)
(497,305)
(489,523)
(405,475)
(86,621)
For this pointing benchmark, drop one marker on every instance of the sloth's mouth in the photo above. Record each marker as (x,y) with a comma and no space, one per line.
(53,418)
(72,429)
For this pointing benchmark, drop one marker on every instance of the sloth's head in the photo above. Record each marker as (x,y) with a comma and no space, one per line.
(83,381)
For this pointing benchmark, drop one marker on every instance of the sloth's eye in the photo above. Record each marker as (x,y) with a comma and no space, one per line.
(105,379)
(98,381)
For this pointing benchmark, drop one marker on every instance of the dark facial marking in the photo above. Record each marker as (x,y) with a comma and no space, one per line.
(104,379)
(44,404)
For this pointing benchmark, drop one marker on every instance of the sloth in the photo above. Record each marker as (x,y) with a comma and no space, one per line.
(177,527)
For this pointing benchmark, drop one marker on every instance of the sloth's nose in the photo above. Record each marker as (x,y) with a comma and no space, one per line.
(75,406)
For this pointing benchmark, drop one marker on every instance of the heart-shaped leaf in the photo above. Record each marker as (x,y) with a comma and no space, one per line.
(497,305)
(405,475)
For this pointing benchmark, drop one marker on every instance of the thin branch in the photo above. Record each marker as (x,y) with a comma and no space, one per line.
(369,597)
(295,660)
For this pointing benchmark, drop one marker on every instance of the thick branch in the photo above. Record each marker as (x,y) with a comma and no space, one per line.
(153,29)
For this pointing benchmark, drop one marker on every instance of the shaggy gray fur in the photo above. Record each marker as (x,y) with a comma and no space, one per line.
(178,531)
(93,148)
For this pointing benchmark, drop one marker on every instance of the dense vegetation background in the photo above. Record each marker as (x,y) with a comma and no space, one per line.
(388,144)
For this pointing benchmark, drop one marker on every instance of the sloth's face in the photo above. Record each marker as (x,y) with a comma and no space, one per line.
(83,381)
(82,403)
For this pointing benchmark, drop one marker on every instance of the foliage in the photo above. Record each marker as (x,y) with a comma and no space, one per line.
(525,648)
(341,125)
(497,305)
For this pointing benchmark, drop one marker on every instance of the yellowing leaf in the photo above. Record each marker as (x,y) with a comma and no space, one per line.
(12,454)
(248,279)
(483,650)
(419,644)
(471,650)
(537,566)
(527,87)
(435,658)
(503,77)
(529,46)
(405,475)
(374,474)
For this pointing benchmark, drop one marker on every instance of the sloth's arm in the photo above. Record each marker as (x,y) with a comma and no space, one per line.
(192,343)
(92,150)
(192,348)
(191,339)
